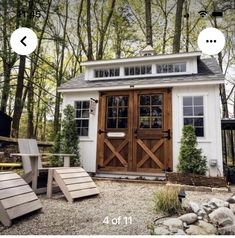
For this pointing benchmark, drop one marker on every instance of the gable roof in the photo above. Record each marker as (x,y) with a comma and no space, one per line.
(208,73)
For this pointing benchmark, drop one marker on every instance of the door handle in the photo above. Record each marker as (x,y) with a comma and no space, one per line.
(100,131)
(167,134)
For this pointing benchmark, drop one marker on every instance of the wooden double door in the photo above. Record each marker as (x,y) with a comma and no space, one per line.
(134,131)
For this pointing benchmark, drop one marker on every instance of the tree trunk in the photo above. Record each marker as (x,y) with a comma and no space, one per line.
(148,19)
(89,38)
(178,19)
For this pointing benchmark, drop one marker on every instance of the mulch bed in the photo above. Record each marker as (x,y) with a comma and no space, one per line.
(196,180)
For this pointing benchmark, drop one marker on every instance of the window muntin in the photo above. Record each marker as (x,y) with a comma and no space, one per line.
(82,117)
(105,73)
(193,113)
(138,70)
(151,111)
(171,68)
(117,112)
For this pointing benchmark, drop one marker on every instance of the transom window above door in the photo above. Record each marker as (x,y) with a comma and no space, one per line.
(117,112)
(150,111)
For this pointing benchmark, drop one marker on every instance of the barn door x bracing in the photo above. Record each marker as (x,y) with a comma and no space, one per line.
(134,131)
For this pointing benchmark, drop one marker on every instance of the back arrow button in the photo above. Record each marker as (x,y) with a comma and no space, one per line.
(22,41)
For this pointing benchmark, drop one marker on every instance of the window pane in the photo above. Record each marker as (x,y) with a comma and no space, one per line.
(79,131)
(106,73)
(144,100)
(170,68)
(112,112)
(159,69)
(123,101)
(122,123)
(85,104)
(198,122)
(188,111)
(137,70)
(143,70)
(198,111)
(149,69)
(199,131)
(198,101)
(111,123)
(188,121)
(78,123)
(183,68)
(85,113)
(156,111)
(122,112)
(156,122)
(187,101)
(144,122)
(156,100)
(78,105)
(144,111)
(126,71)
(117,72)
(85,123)
(132,71)
(84,132)
(112,101)
(111,72)
(78,113)
(101,74)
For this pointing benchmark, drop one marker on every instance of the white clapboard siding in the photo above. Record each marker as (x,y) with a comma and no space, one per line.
(16,198)
(73,182)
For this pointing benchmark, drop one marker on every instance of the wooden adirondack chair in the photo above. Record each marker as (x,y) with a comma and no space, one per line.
(73,182)
(32,162)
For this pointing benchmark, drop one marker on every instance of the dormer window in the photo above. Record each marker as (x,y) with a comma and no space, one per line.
(138,70)
(171,68)
(105,73)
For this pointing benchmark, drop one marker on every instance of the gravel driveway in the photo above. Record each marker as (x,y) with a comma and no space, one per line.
(132,202)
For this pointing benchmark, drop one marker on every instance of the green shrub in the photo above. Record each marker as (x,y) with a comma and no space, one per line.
(191,159)
(67,140)
(166,201)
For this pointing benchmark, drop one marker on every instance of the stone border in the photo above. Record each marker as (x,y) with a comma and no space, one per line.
(198,188)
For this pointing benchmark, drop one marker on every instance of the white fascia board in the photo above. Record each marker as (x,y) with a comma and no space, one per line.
(125,87)
(141,59)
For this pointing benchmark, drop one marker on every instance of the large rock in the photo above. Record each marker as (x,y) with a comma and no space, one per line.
(195,230)
(227,230)
(194,206)
(231,199)
(207,227)
(161,231)
(222,216)
(218,202)
(180,232)
(189,218)
(232,207)
(173,222)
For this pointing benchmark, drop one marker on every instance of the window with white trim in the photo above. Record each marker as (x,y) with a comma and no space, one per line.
(193,113)
(138,70)
(105,73)
(82,117)
(171,68)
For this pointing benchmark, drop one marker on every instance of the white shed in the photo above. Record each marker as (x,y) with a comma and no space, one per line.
(130,112)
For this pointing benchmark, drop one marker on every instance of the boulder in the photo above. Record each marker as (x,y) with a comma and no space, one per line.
(218,202)
(194,206)
(232,207)
(227,230)
(161,231)
(195,230)
(222,216)
(189,218)
(173,222)
(180,232)
(209,228)
(201,212)
(231,199)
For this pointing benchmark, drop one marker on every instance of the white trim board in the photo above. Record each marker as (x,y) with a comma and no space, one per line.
(125,87)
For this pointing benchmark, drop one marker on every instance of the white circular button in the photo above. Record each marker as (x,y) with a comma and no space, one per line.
(23,41)
(211,41)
